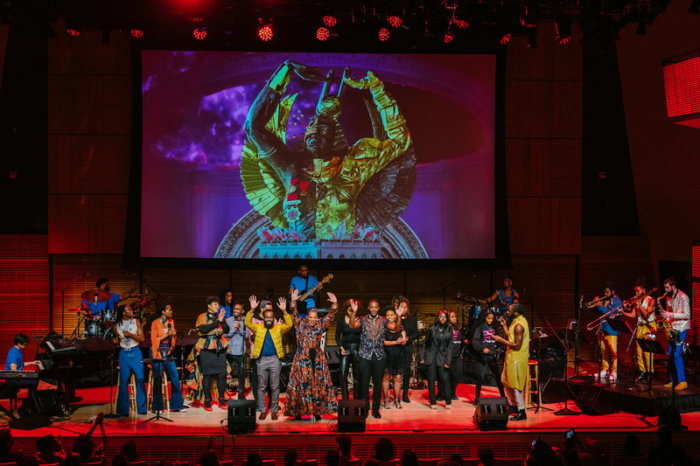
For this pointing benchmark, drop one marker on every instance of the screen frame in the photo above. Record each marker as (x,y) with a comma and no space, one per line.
(502,256)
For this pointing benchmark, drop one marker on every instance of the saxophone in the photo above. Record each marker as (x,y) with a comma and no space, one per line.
(664,323)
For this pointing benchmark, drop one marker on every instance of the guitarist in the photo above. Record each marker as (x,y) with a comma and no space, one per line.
(678,314)
(303,282)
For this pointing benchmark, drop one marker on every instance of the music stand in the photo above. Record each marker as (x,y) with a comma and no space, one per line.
(652,347)
(565,411)
(152,362)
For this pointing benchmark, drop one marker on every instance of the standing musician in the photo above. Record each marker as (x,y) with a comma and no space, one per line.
(163,337)
(504,297)
(486,352)
(678,314)
(130,334)
(410,325)
(303,282)
(99,299)
(237,335)
(211,348)
(608,305)
(515,368)
(437,355)
(348,339)
(641,307)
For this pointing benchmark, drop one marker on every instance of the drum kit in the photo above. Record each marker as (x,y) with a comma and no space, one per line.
(101,326)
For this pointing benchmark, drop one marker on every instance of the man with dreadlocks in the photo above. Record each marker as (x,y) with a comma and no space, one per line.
(316,190)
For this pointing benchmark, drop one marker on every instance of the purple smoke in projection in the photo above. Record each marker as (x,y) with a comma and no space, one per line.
(214,135)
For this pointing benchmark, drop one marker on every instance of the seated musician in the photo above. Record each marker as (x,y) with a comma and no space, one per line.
(503,297)
(101,291)
(15,362)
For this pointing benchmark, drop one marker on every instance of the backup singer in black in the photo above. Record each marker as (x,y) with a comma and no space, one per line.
(436,355)
(486,350)
(349,341)
(410,325)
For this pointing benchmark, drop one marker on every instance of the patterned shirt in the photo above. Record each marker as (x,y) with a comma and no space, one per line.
(680,306)
(372,337)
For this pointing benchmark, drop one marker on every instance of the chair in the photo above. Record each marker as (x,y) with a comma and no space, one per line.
(533,380)
(164,388)
(132,391)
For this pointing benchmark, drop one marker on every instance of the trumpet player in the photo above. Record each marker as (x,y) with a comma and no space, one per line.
(678,314)
(608,305)
(641,307)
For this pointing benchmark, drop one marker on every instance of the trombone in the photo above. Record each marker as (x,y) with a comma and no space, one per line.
(614,312)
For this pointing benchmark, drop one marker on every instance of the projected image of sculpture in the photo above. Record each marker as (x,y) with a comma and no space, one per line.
(326,198)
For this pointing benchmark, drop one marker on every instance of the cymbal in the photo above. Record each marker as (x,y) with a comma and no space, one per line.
(89,295)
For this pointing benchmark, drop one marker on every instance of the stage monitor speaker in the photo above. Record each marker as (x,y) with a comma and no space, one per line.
(42,403)
(491,414)
(352,415)
(241,416)
(595,400)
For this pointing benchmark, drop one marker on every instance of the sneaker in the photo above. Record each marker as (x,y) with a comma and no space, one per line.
(207,408)
(448,406)
(682,386)
(433,406)
(520,416)
(668,385)
(603,375)
(612,378)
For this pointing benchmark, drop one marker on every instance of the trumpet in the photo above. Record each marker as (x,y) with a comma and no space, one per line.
(632,301)
(591,304)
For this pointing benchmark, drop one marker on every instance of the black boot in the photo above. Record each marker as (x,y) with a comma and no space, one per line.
(405,397)
(519,416)
(513,409)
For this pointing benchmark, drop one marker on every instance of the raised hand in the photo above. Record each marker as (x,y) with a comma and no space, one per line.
(401,310)
(367,82)
(332,298)
(253,300)
(282,304)
(354,306)
(295,295)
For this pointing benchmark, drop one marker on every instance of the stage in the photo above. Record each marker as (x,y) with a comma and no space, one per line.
(431,433)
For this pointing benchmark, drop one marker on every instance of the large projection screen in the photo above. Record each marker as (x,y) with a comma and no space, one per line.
(260,155)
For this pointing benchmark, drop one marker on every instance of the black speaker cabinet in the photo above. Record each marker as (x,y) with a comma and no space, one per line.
(352,415)
(241,416)
(595,400)
(42,402)
(491,414)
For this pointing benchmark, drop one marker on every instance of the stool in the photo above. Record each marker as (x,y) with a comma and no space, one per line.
(533,378)
(164,388)
(132,391)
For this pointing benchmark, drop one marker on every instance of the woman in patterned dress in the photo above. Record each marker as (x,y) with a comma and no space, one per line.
(310,388)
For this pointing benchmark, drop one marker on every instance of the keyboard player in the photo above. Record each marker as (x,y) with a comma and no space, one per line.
(15,357)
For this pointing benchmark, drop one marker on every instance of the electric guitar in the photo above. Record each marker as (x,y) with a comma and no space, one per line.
(326,279)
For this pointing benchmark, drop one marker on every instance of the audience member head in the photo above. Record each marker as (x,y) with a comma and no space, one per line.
(45,444)
(332,458)
(84,446)
(73,459)
(290,457)
(370,462)
(253,459)
(632,446)
(120,459)
(6,441)
(129,450)
(384,449)
(409,458)
(486,456)
(344,444)
(209,459)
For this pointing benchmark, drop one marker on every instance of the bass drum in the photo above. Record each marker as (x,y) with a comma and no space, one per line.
(93,328)
(109,334)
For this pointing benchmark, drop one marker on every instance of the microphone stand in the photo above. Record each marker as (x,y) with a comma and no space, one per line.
(564,411)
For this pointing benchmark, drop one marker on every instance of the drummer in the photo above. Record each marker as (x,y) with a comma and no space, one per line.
(503,297)
(100,300)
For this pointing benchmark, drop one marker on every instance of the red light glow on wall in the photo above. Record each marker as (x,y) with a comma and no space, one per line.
(682,85)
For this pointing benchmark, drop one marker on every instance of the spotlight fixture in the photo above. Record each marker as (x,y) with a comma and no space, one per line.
(384,34)
(136,33)
(265,32)
(330,21)
(563,29)
(461,24)
(505,38)
(73,32)
(448,37)
(322,34)
(394,21)
(200,33)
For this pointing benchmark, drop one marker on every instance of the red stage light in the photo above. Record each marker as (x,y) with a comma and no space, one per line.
(330,21)
(505,39)
(384,34)
(136,33)
(395,21)
(462,24)
(265,33)
(448,37)
(200,33)
(72,32)
(322,34)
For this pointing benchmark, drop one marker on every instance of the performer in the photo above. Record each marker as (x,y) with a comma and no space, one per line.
(237,335)
(486,352)
(163,338)
(130,334)
(610,304)
(504,297)
(678,314)
(348,339)
(303,282)
(515,368)
(99,299)
(15,356)
(268,350)
(310,388)
(641,307)
(212,346)
(372,359)
(410,324)
(437,355)
(458,339)
(227,303)
(394,337)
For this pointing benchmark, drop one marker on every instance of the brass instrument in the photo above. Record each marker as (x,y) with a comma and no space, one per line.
(592,304)
(663,321)
(614,312)
(632,301)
